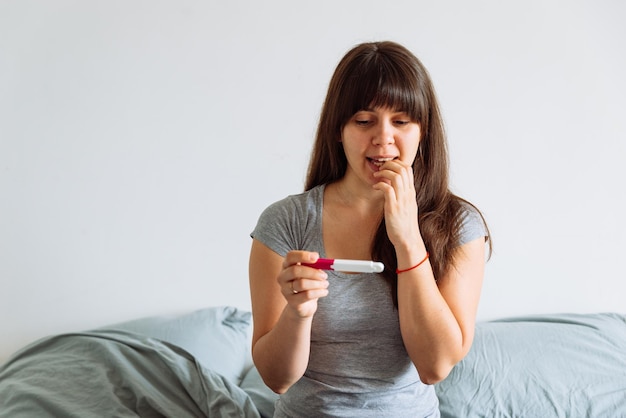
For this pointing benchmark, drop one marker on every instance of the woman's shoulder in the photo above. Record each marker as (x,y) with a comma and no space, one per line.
(473,224)
(284,224)
(298,203)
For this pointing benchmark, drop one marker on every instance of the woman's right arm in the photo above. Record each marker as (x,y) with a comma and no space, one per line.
(282,319)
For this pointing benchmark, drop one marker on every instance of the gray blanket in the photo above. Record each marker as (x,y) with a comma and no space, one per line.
(114,374)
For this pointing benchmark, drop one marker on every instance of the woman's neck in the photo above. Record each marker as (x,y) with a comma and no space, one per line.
(350,221)
(364,201)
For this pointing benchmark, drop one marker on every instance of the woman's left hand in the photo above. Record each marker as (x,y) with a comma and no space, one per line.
(397,184)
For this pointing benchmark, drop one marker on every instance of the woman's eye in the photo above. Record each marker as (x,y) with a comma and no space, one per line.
(361,121)
(402,122)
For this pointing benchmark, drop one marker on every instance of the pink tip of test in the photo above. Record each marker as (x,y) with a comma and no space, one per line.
(351,266)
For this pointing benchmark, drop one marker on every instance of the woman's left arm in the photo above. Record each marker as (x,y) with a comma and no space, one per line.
(437,318)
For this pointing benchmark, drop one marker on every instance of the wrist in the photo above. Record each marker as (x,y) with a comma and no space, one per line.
(411,256)
(410,252)
(415,266)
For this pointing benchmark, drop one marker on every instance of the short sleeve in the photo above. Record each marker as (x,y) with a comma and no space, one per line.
(273,227)
(473,225)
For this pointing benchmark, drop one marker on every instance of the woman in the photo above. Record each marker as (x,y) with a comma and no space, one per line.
(370,344)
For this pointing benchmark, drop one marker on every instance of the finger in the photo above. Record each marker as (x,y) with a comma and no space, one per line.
(402,183)
(304,290)
(398,173)
(298,277)
(293,288)
(388,190)
(303,285)
(293,269)
(296,257)
(305,295)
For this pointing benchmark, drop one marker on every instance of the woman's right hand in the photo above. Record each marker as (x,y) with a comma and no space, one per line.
(281,338)
(302,286)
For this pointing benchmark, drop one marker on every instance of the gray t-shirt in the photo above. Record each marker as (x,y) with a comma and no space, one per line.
(358,366)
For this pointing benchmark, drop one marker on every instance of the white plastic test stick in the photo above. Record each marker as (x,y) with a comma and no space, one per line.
(348,266)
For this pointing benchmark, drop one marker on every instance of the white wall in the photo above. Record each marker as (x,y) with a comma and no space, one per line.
(139,141)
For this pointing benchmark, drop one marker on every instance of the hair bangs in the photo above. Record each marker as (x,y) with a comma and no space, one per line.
(382,84)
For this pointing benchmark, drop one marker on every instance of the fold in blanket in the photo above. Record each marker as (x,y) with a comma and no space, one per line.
(116,374)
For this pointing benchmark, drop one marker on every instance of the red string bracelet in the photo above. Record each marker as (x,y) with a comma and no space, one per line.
(415,266)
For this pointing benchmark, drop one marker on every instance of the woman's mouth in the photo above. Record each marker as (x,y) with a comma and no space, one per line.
(378,162)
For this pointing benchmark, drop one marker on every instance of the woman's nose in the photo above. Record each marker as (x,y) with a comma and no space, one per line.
(384,134)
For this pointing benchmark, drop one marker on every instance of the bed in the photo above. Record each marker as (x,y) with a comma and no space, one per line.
(198,364)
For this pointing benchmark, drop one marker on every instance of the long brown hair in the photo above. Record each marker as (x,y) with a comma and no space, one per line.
(386,74)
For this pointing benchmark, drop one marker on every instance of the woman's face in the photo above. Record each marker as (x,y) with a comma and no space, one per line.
(373,136)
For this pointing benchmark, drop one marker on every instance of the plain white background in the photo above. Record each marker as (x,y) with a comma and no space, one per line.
(140,140)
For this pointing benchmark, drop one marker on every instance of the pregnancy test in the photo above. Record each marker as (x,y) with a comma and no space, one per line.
(349,266)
